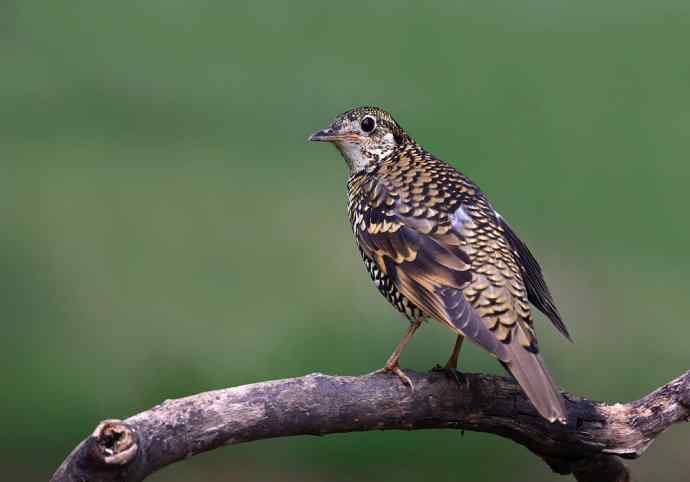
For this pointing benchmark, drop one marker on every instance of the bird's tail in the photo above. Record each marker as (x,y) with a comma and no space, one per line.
(528,369)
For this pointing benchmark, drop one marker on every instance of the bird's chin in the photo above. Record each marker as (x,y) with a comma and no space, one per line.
(349,150)
(353,155)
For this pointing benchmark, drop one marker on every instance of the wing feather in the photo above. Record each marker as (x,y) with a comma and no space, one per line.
(537,291)
(433,279)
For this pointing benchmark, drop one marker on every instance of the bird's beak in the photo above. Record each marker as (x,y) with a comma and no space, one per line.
(329,135)
(324,135)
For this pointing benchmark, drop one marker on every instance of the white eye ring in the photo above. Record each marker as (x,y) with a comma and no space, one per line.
(368,124)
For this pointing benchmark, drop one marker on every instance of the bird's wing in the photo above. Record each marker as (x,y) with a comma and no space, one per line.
(537,291)
(425,258)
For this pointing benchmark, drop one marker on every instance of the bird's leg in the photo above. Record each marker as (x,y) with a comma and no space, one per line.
(451,366)
(452,363)
(392,362)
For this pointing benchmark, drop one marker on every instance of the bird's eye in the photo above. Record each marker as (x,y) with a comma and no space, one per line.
(368,124)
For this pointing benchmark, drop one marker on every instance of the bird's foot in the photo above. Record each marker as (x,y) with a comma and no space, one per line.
(451,373)
(401,374)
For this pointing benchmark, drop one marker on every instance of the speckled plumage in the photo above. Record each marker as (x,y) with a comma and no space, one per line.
(435,247)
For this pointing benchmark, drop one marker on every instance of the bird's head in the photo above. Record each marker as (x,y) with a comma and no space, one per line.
(364,136)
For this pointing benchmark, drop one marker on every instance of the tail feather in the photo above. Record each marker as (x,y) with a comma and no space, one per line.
(528,369)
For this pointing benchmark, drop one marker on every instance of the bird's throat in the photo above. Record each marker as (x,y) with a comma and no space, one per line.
(362,157)
(357,160)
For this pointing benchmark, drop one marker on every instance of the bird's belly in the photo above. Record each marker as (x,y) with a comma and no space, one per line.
(388,289)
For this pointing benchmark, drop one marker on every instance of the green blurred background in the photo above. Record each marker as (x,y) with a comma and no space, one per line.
(167,229)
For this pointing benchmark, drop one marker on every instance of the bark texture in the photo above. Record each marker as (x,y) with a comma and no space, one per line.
(589,447)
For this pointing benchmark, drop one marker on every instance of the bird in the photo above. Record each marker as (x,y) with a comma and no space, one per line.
(436,248)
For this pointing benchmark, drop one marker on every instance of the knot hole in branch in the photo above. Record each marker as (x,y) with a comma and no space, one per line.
(113,443)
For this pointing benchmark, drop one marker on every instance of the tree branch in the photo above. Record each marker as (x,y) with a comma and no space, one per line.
(589,446)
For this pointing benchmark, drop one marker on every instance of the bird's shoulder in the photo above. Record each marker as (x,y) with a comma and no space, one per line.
(415,187)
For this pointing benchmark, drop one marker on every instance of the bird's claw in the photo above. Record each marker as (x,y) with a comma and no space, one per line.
(452,373)
(401,374)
